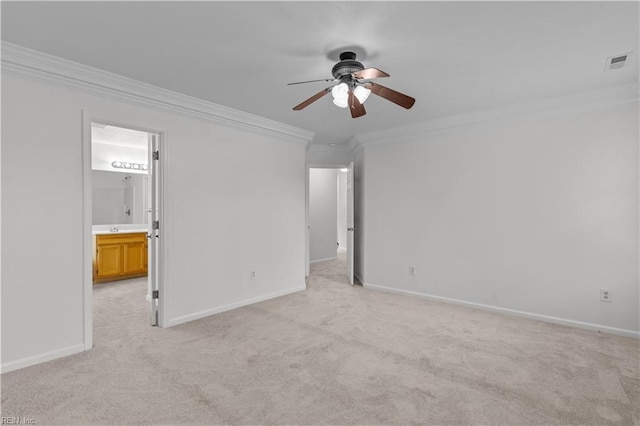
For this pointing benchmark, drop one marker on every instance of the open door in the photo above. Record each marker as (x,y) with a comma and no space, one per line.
(154,227)
(350,224)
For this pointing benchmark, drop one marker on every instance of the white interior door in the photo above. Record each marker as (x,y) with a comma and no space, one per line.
(153,225)
(350,223)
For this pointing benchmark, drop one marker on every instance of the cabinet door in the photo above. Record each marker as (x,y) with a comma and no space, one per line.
(135,258)
(109,260)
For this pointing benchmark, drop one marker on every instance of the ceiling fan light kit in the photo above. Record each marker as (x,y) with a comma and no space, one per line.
(340,93)
(354,87)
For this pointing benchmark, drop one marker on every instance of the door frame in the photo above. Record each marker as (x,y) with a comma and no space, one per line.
(351,230)
(115,119)
(309,166)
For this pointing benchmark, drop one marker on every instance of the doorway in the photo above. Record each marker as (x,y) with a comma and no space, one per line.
(122,194)
(330,232)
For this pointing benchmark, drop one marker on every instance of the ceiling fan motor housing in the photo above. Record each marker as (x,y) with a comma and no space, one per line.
(347,66)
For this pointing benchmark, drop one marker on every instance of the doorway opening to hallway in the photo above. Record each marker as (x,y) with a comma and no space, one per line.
(330,222)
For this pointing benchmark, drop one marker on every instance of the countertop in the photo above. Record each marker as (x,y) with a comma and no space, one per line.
(119,229)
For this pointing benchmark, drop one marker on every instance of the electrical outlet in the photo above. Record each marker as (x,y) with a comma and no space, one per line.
(252,274)
(606,295)
(412,271)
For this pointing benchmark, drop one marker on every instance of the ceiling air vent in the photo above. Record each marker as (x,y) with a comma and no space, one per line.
(616,62)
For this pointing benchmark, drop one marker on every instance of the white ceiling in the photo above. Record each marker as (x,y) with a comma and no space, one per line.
(453,57)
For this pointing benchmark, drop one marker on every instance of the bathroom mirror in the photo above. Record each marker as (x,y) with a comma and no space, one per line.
(119,198)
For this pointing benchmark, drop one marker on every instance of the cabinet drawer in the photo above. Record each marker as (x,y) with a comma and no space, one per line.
(121,238)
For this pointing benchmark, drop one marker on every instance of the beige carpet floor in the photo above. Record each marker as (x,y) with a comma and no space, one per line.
(333,354)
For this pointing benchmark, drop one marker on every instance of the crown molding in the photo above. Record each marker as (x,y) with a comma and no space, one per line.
(354,146)
(27,62)
(596,100)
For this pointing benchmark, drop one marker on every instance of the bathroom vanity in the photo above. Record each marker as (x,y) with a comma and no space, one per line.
(119,255)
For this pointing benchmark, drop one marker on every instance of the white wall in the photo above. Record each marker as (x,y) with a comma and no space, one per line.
(325,155)
(533,216)
(323,207)
(342,209)
(216,228)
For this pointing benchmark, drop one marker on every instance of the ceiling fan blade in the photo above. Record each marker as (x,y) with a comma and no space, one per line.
(312,99)
(370,73)
(391,95)
(311,81)
(356,108)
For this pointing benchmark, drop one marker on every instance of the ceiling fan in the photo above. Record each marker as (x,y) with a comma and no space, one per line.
(354,87)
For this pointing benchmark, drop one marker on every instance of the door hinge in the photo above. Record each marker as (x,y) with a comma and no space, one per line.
(156,224)
(156,155)
(155,294)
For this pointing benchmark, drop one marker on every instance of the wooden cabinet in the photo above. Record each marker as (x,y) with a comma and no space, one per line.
(119,256)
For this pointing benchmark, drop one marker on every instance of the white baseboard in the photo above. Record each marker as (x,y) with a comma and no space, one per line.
(202,314)
(513,312)
(37,359)
(323,260)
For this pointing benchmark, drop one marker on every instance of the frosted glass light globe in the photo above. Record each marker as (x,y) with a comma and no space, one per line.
(362,93)
(342,103)
(340,91)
